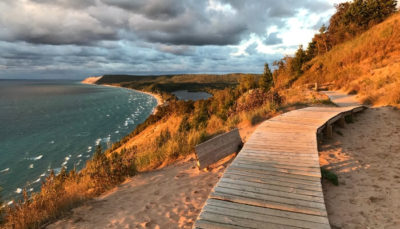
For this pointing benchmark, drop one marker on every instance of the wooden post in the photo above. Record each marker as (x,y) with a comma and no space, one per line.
(341,121)
(328,131)
(316,87)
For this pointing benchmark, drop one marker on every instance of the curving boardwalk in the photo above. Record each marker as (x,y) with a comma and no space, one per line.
(275,181)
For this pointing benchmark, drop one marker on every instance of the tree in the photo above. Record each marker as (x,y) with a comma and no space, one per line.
(266,80)
(247,82)
(298,60)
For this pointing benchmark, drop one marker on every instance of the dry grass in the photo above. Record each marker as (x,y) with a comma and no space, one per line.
(368,65)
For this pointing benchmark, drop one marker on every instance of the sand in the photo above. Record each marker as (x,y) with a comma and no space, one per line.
(366,157)
(171,197)
(91,80)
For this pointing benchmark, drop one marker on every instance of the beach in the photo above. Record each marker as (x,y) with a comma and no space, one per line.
(93,79)
(171,197)
(364,155)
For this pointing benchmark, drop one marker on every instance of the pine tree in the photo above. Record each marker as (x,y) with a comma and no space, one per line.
(298,60)
(266,81)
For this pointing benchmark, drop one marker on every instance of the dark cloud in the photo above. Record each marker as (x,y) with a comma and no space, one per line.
(152,9)
(273,39)
(133,36)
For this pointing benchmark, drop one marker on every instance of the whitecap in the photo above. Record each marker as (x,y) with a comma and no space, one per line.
(67,158)
(36,181)
(87,156)
(108,115)
(31,189)
(10,202)
(52,142)
(35,158)
(5,170)
(64,163)
(57,170)
(31,166)
(43,174)
(117,131)
(98,141)
(80,155)
(19,190)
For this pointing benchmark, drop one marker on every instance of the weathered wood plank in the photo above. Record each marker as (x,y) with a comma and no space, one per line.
(268,211)
(268,203)
(237,221)
(265,218)
(273,187)
(217,148)
(269,192)
(275,180)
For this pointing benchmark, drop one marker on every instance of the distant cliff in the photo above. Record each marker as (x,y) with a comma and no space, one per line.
(92,79)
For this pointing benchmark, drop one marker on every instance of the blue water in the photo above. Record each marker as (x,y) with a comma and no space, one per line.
(45,125)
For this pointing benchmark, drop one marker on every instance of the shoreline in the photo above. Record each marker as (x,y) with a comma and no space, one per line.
(158,97)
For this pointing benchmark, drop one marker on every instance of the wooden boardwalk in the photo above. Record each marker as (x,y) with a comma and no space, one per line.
(275,181)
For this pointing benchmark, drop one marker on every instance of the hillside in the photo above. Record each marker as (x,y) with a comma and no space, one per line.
(368,65)
(170,83)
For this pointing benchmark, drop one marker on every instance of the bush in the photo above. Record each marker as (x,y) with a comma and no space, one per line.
(330,176)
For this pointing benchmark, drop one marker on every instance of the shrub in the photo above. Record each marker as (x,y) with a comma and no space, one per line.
(330,176)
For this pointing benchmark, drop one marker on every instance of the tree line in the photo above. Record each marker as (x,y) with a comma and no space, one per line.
(350,20)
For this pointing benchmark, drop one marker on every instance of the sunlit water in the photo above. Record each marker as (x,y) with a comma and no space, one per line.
(45,125)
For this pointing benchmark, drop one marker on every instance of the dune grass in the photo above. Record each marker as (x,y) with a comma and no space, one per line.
(368,65)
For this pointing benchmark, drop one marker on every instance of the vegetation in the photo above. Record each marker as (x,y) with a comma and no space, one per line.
(266,80)
(354,53)
(330,176)
(169,83)
(341,54)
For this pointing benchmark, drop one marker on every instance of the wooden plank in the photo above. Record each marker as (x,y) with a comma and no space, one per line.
(268,211)
(264,218)
(244,199)
(273,187)
(273,175)
(275,180)
(282,170)
(206,224)
(286,160)
(237,221)
(267,173)
(280,164)
(266,191)
(272,181)
(303,184)
(217,148)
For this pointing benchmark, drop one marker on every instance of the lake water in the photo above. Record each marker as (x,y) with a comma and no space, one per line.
(186,95)
(45,125)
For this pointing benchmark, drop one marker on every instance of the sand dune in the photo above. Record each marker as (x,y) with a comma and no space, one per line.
(366,157)
(171,197)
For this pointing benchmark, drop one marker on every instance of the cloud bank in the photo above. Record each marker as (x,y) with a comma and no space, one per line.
(77,38)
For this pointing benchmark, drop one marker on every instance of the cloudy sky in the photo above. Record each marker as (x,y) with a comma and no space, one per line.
(78,38)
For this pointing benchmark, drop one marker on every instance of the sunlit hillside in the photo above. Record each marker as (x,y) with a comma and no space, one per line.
(368,65)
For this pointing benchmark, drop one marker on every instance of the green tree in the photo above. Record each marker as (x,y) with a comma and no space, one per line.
(266,80)
(247,82)
(298,60)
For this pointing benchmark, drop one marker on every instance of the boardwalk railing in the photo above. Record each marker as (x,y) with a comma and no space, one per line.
(275,181)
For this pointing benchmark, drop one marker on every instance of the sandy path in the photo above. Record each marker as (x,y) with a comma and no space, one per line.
(171,197)
(366,157)
(342,99)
